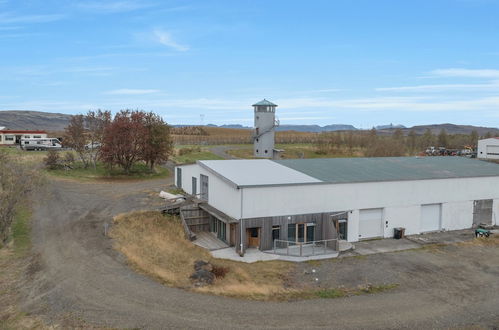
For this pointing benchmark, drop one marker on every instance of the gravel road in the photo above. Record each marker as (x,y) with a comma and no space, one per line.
(78,273)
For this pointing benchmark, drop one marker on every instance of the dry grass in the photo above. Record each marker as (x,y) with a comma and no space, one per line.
(492,240)
(155,245)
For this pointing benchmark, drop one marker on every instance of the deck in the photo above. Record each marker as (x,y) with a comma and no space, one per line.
(209,241)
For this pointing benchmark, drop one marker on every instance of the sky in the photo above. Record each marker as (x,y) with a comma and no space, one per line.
(363,63)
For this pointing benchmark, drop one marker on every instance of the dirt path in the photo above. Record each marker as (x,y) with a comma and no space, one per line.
(221,151)
(79,273)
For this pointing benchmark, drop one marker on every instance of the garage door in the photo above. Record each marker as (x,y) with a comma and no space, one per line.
(493,150)
(371,223)
(430,217)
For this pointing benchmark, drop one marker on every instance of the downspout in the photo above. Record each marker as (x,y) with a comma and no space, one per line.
(241,246)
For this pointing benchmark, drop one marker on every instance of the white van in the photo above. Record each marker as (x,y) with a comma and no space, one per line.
(41,144)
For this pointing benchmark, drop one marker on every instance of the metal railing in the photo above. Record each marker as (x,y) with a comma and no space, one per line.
(305,249)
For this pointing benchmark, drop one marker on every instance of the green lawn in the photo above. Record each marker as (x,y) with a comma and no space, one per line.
(139,171)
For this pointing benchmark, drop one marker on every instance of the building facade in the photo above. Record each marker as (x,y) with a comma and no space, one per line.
(353,199)
(488,148)
(13,137)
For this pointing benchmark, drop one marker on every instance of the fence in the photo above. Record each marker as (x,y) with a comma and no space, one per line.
(305,249)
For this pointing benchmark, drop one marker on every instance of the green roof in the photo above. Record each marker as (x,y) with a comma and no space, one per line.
(265,102)
(349,170)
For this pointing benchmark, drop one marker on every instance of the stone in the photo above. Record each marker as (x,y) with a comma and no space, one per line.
(202,277)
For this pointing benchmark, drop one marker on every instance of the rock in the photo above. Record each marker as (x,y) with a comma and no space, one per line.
(202,265)
(202,277)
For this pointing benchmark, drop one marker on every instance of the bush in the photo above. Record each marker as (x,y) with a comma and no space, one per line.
(52,160)
(219,271)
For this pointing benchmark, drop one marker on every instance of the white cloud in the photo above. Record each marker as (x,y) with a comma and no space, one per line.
(469,73)
(443,87)
(165,38)
(10,18)
(128,91)
(115,6)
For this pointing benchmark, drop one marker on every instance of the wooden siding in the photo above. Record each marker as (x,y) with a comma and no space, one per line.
(324,228)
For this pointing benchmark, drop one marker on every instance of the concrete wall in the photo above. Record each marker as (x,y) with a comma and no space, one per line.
(400,200)
(221,195)
(264,121)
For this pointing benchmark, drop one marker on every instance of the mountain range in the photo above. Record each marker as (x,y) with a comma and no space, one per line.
(31,120)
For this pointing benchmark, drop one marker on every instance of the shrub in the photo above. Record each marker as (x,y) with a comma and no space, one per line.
(52,160)
(219,271)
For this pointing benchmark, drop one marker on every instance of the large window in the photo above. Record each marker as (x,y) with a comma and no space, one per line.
(301,232)
(9,137)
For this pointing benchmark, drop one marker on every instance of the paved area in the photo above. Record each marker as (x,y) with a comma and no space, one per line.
(209,241)
(75,271)
(382,246)
(254,255)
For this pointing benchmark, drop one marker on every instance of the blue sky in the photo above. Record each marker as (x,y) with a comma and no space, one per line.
(356,62)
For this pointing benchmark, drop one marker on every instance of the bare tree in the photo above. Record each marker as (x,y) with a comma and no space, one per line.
(17,180)
(75,137)
(96,123)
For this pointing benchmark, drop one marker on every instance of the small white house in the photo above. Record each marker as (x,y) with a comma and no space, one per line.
(488,148)
(304,200)
(13,137)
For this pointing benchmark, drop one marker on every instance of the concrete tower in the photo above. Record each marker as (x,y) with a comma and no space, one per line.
(265,123)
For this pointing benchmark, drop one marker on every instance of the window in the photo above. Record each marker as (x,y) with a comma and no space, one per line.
(0,138)
(9,137)
(194,186)
(37,136)
(26,136)
(253,232)
(266,151)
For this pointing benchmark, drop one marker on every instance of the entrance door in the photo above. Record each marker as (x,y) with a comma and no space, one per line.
(430,217)
(253,237)
(194,186)
(204,187)
(370,223)
(341,229)
(482,211)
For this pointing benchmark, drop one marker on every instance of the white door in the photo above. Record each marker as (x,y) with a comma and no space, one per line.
(370,223)
(430,217)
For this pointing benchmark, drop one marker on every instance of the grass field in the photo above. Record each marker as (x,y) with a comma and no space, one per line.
(297,150)
(155,245)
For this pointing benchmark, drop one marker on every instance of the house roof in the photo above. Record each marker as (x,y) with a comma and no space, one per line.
(256,172)
(21,132)
(265,102)
(264,172)
(350,170)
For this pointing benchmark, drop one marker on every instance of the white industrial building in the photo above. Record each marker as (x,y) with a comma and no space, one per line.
(488,148)
(258,201)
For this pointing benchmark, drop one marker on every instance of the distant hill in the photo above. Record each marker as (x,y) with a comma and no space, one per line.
(298,128)
(389,126)
(449,128)
(19,119)
(31,120)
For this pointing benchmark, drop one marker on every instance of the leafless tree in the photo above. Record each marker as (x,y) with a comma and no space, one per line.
(17,179)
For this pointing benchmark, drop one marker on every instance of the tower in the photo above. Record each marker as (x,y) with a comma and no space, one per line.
(265,123)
